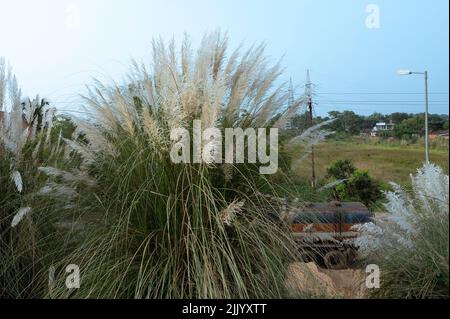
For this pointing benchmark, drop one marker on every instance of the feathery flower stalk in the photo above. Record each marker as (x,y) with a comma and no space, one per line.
(411,243)
(17,179)
(404,223)
(58,191)
(73,176)
(20,215)
(229,214)
(332,184)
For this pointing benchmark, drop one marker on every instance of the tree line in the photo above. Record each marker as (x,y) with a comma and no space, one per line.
(407,125)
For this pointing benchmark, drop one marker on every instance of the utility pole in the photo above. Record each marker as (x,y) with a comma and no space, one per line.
(309,103)
(425,74)
(427,147)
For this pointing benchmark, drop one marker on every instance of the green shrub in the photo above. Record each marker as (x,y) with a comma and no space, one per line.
(341,169)
(361,187)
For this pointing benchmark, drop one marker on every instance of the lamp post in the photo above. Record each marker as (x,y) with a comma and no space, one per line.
(425,74)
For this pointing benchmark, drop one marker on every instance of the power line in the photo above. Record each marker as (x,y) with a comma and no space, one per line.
(382,101)
(379,93)
(380,104)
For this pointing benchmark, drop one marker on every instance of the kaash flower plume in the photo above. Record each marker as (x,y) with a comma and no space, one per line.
(20,215)
(411,243)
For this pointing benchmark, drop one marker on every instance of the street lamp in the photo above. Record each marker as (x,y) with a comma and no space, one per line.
(425,74)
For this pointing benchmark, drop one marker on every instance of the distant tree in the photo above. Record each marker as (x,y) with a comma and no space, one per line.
(371,120)
(301,122)
(63,125)
(436,122)
(39,106)
(399,117)
(409,127)
(349,123)
(346,122)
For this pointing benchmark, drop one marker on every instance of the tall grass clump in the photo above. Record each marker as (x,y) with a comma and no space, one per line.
(411,245)
(28,238)
(155,229)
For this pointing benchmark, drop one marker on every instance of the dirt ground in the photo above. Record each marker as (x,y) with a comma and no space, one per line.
(306,279)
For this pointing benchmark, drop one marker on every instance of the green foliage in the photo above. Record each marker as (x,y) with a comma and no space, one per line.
(415,125)
(356,184)
(163,235)
(398,117)
(28,249)
(409,127)
(421,272)
(346,122)
(63,125)
(445,125)
(341,169)
(361,187)
(301,122)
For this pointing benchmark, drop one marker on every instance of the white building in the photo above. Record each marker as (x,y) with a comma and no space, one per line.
(382,127)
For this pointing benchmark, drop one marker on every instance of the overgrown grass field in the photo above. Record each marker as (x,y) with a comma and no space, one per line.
(386,162)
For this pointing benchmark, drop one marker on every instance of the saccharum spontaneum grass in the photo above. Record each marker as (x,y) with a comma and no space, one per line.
(27,237)
(411,245)
(155,229)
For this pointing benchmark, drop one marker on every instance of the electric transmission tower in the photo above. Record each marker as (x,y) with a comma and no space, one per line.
(291,93)
(291,102)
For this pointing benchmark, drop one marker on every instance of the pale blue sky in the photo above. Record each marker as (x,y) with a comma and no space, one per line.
(55,56)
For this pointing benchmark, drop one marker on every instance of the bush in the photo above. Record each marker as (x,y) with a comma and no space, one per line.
(352,184)
(341,169)
(361,187)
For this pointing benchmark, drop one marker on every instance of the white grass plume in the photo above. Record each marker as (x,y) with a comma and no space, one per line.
(314,134)
(20,118)
(332,184)
(58,191)
(2,82)
(240,91)
(21,213)
(408,213)
(229,214)
(17,179)
(72,176)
